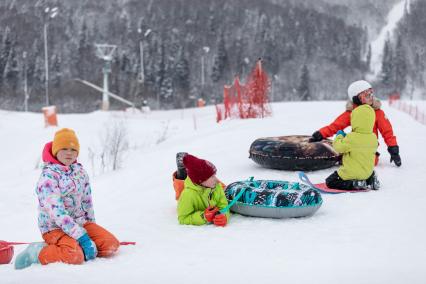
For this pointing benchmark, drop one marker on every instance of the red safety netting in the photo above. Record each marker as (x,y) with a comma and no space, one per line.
(246,101)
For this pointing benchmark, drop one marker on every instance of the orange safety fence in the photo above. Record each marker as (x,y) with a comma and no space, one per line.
(248,100)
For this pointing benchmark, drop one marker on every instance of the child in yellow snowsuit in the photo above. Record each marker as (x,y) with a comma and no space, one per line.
(358,148)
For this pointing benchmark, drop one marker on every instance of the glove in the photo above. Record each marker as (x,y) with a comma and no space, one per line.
(394,152)
(341,132)
(316,137)
(220,220)
(88,246)
(210,213)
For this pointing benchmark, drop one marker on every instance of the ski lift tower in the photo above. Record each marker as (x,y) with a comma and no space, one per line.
(105,52)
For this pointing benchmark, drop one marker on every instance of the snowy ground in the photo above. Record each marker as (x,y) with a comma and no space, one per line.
(375,237)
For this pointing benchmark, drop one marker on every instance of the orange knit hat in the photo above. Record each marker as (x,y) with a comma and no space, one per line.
(64,139)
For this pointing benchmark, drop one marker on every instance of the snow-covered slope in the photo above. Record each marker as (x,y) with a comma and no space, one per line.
(377,45)
(375,237)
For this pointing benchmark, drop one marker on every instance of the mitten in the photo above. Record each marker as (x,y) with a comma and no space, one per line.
(209,213)
(316,137)
(341,132)
(394,152)
(220,220)
(88,246)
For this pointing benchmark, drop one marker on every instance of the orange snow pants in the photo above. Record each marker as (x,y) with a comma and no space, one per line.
(62,248)
(178,185)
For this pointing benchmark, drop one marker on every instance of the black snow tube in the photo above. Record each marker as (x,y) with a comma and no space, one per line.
(293,153)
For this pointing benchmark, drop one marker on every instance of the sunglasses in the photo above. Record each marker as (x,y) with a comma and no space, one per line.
(369,93)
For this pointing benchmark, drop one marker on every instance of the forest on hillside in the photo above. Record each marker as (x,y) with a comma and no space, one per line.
(191,49)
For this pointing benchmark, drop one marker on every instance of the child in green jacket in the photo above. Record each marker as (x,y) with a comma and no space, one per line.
(359,149)
(202,196)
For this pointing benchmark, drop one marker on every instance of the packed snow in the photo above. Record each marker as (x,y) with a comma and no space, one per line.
(374,237)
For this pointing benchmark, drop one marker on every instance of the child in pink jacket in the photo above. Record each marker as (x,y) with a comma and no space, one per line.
(65,213)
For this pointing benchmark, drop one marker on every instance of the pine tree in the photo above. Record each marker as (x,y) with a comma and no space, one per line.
(387,64)
(400,64)
(56,70)
(160,68)
(84,52)
(303,89)
(5,52)
(368,57)
(182,80)
(354,54)
(12,70)
(220,63)
(166,89)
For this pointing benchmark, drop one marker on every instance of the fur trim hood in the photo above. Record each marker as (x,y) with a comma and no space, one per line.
(376,105)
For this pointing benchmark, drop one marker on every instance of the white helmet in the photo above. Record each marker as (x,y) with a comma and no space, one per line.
(357,87)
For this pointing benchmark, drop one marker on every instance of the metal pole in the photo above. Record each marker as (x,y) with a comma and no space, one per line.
(46,65)
(142,75)
(105,98)
(202,70)
(158,99)
(25,83)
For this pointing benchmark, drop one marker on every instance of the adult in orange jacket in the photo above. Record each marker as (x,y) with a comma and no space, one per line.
(361,92)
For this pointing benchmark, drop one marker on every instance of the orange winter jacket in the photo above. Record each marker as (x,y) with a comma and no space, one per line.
(381,124)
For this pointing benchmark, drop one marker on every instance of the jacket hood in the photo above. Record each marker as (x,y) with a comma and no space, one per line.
(52,163)
(190,184)
(47,155)
(199,188)
(362,119)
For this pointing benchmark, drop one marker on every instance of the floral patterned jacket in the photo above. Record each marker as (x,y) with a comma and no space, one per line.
(64,195)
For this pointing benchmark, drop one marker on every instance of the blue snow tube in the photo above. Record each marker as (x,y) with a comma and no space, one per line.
(273,198)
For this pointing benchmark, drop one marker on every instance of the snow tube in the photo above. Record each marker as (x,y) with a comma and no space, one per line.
(293,153)
(273,198)
(6,253)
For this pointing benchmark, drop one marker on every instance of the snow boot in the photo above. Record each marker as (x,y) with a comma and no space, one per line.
(181,171)
(359,184)
(373,182)
(29,255)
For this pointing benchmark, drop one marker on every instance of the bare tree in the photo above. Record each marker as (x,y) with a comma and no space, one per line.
(115,144)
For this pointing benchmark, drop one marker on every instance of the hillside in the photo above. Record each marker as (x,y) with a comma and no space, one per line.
(376,237)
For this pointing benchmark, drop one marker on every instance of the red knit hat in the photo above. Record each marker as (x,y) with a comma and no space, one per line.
(198,170)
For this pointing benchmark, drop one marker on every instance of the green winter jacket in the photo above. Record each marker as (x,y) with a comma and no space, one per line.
(359,146)
(194,199)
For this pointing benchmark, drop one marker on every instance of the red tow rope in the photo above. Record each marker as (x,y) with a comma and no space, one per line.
(4,243)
